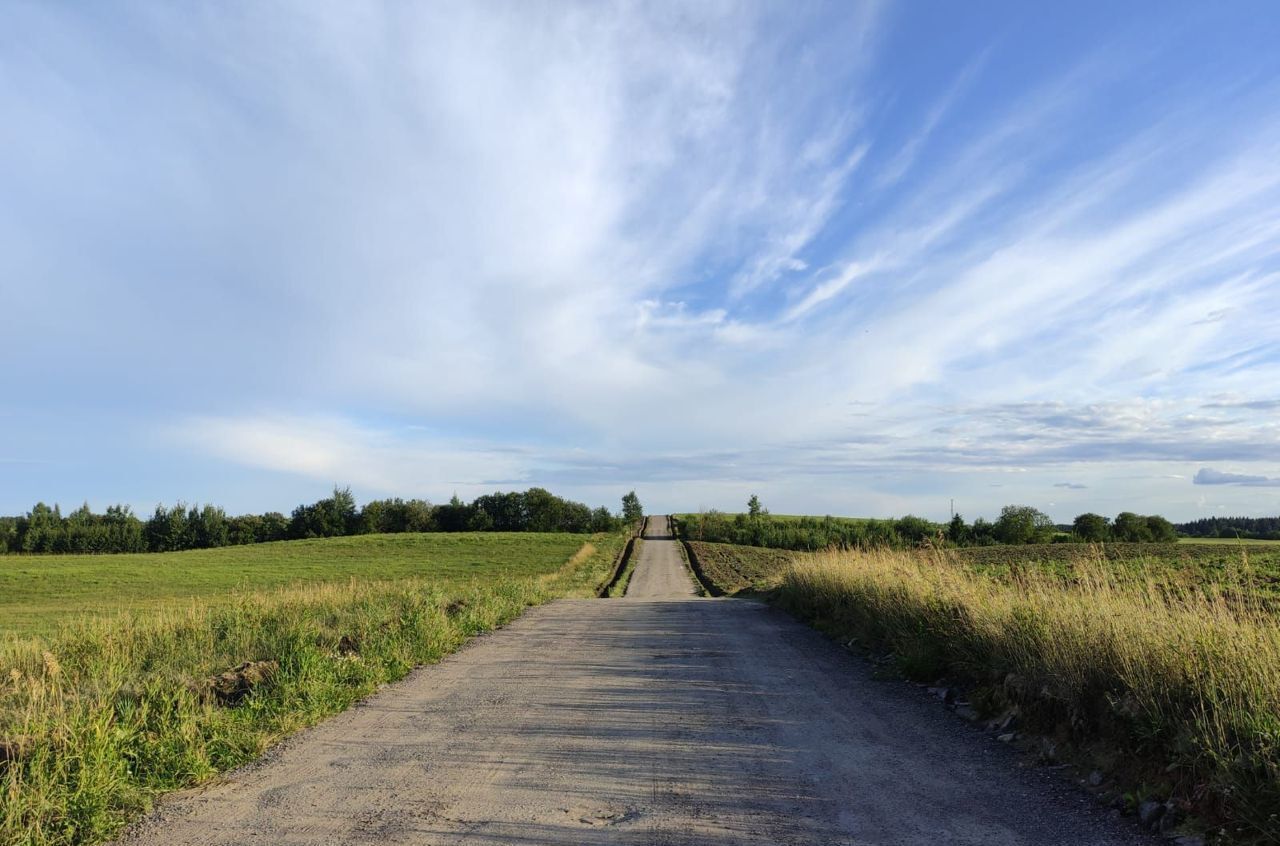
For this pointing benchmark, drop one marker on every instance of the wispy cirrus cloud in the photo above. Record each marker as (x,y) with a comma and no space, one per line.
(428,248)
(1252,405)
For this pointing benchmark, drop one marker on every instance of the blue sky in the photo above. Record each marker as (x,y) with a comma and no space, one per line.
(856,258)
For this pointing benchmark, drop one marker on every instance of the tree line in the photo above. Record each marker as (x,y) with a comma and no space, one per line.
(1249,528)
(1017,524)
(171,528)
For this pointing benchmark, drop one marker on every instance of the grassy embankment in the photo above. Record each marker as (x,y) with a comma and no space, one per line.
(618,587)
(100,713)
(1157,664)
(1170,687)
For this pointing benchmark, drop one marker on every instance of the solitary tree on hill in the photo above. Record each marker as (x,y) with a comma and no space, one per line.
(632,511)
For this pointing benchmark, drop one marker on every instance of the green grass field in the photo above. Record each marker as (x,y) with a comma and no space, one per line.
(39,592)
(104,711)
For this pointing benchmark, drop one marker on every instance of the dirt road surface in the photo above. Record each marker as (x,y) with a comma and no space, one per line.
(664,718)
(660,571)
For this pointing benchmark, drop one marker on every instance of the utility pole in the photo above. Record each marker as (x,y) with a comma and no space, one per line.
(953,508)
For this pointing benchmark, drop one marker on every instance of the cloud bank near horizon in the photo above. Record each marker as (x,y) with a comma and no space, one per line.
(830,257)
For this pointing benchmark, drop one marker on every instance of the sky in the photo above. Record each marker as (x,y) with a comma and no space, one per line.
(856,258)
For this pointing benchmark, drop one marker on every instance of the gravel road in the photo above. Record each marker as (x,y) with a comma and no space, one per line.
(663,718)
(660,571)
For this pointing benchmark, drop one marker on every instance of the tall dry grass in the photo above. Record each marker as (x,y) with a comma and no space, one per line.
(1183,678)
(97,721)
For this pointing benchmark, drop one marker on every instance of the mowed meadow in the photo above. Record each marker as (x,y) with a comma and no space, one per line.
(1154,668)
(124,676)
(38,593)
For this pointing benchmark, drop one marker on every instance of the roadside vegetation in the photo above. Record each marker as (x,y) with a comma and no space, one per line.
(1170,688)
(101,714)
(1229,569)
(1016,526)
(618,587)
(1155,666)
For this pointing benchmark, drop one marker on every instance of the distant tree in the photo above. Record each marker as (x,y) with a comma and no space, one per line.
(244,529)
(207,527)
(82,516)
(8,534)
(1140,528)
(386,516)
(1019,524)
(40,528)
(546,511)
(167,530)
(124,529)
(913,530)
(275,527)
(375,517)
(957,531)
(81,532)
(453,516)
(1161,530)
(603,521)
(1259,528)
(509,511)
(754,509)
(333,516)
(44,529)
(480,521)
(632,511)
(342,516)
(1092,528)
(416,515)
(982,532)
(1131,528)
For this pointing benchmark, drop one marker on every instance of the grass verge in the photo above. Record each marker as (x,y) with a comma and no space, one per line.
(105,714)
(1174,688)
(618,586)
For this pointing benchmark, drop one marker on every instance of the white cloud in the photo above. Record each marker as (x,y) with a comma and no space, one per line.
(560,237)
(824,291)
(1207,476)
(376,460)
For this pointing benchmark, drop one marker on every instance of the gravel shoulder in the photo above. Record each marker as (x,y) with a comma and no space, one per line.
(662,719)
